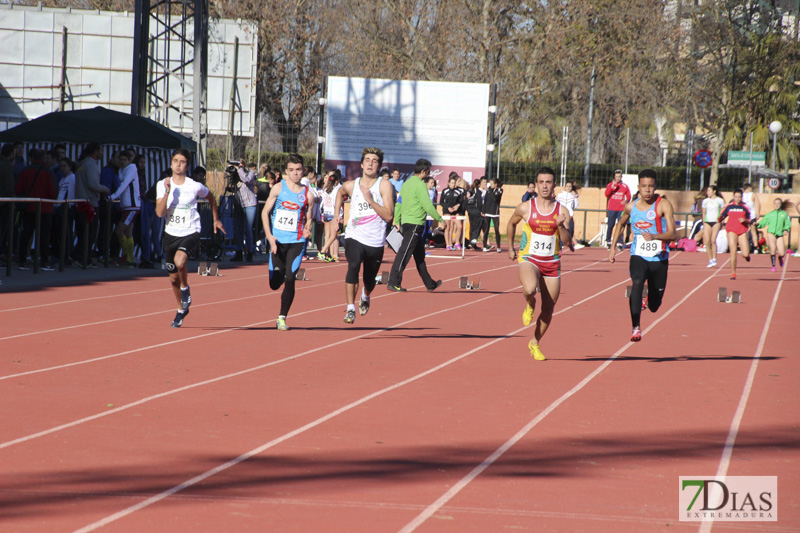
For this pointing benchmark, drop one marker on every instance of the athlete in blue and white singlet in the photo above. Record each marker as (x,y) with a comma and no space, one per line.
(287,219)
(653,225)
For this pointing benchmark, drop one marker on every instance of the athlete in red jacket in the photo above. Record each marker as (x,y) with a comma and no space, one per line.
(618,195)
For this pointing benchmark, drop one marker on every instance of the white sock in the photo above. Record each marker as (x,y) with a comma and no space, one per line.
(364,296)
(351,307)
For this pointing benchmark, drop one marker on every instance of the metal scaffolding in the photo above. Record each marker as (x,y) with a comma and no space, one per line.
(171,64)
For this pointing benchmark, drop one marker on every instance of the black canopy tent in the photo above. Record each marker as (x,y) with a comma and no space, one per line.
(113,129)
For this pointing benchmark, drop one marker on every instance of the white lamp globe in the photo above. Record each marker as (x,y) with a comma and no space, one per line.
(775,127)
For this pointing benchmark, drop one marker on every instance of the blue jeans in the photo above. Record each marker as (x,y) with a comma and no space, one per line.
(613,217)
(151,231)
(243,219)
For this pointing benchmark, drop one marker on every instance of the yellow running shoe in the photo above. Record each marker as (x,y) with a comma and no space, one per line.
(535,351)
(527,315)
(281,323)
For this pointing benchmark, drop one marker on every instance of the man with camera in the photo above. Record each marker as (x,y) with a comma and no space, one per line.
(241,183)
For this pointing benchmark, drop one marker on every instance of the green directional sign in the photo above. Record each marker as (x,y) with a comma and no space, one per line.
(743,158)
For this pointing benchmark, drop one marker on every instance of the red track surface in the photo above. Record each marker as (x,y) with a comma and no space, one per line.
(428,414)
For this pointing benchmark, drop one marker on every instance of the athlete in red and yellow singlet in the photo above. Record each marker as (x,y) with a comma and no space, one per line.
(539,243)
(545,220)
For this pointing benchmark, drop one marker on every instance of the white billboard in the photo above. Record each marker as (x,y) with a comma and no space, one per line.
(100,66)
(443,122)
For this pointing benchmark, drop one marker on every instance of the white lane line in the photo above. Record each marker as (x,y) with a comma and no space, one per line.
(172,309)
(168,343)
(727,451)
(466,480)
(245,456)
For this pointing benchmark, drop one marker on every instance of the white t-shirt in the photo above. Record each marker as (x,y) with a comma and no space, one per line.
(328,201)
(713,208)
(66,187)
(365,225)
(568,200)
(181,216)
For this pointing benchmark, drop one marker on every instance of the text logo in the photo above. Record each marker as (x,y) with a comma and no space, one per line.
(290,206)
(730,499)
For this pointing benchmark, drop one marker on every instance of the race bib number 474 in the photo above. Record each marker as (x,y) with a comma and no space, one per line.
(286,220)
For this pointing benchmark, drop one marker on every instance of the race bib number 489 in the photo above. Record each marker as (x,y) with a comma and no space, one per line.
(647,248)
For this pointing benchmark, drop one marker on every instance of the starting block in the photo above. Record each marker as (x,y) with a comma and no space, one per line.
(629,288)
(382,279)
(734,298)
(471,285)
(204,269)
(301,275)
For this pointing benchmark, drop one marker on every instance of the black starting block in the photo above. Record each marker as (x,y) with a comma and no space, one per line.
(471,285)
(301,275)
(382,279)
(205,269)
(734,298)
(629,288)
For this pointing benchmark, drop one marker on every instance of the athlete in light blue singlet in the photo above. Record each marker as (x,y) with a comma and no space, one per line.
(286,230)
(653,223)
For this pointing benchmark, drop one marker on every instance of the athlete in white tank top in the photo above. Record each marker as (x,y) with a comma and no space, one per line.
(365,225)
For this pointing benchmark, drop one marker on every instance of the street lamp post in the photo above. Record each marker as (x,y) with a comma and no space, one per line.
(775,127)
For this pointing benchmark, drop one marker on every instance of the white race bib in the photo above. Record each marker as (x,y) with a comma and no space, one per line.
(286,220)
(544,245)
(647,248)
(181,218)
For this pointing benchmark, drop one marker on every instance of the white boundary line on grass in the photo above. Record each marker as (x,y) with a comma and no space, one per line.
(233,462)
(727,451)
(466,480)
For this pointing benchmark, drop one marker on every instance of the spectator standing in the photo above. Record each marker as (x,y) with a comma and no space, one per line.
(35,181)
(88,186)
(244,213)
(753,203)
(491,210)
(396,181)
(778,224)
(409,216)
(530,192)
(712,206)
(109,177)
(330,247)
(618,195)
(151,223)
(569,199)
(66,191)
(6,191)
(130,202)
(451,201)
(474,205)
(19,159)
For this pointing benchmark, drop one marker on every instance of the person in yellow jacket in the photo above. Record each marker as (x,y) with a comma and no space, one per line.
(777,223)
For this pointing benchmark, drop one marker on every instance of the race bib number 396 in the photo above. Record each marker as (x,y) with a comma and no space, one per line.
(647,248)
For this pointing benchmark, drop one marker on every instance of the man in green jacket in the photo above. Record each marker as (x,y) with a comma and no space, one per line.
(413,203)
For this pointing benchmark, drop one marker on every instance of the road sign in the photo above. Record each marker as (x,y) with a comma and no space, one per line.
(702,158)
(774,183)
(743,158)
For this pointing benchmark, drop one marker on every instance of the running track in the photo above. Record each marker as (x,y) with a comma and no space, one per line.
(428,414)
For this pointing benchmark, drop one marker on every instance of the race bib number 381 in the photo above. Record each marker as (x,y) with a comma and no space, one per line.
(180,219)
